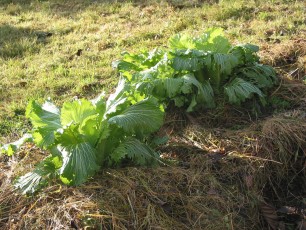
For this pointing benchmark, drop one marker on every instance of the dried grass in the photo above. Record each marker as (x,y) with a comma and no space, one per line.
(289,57)
(292,91)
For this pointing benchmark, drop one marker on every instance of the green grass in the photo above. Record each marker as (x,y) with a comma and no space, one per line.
(39,42)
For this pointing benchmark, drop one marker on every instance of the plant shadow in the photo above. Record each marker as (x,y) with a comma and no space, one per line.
(17,41)
(70,8)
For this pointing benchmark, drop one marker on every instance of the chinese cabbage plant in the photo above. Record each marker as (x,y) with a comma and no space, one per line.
(84,136)
(194,72)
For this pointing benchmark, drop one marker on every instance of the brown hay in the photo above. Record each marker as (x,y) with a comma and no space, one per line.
(289,56)
(204,193)
(292,91)
(284,140)
(285,134)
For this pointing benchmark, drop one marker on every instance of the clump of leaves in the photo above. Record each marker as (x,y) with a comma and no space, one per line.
(194,72)
(84,136)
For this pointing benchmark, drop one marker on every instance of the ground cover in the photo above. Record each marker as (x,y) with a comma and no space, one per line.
(223,164)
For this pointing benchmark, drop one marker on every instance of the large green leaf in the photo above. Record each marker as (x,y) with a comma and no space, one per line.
(79,163)
(132,148)
(118,98)
(239,90)
(76,111)
(161,70)
(205,93)
(46,120)
(225,62)
(188,60)
(245,54)
(123,66)
(141,118)
(79,157)
(172,85)
(213,40)
(219,67)
(221,63)
(179,42)
(262,76)
(100,103)
(46,115)
(91,128)
(168,87)
(33,181)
